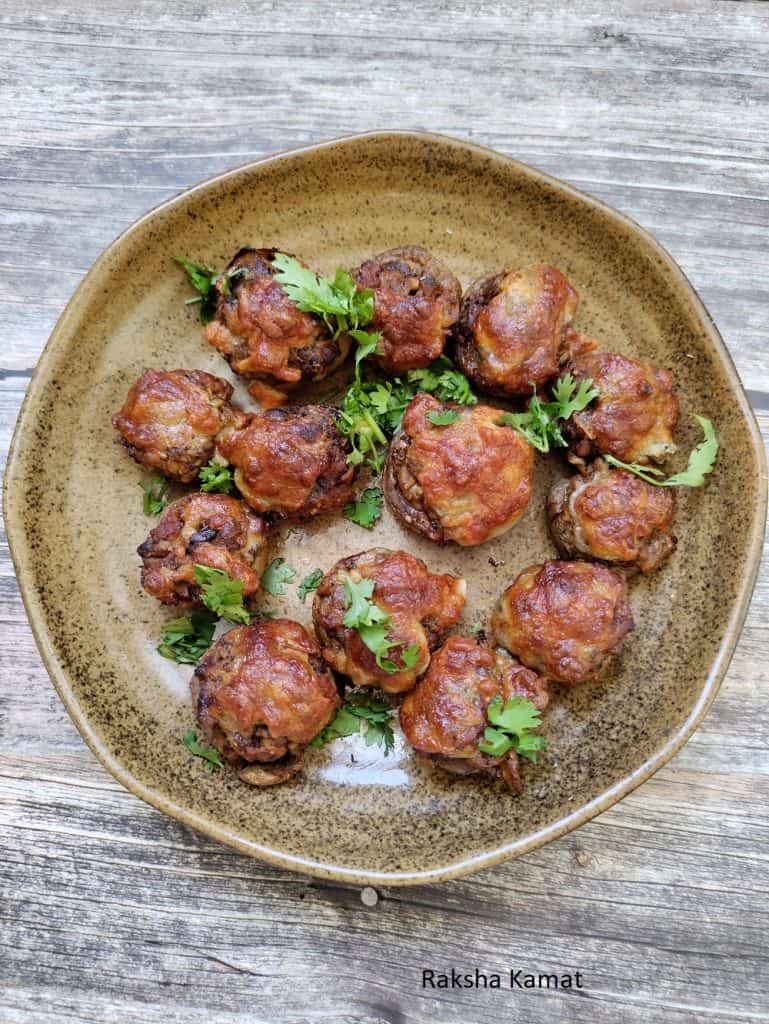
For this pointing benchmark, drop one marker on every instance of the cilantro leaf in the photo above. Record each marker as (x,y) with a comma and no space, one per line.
(541,423)
(222,594)
(702,459)
(373,625)
(361,707)
(309,583)
(186,639)
(367,344)
(202,278)
(512,725)
(569,402)
(443,381)
(367,510)
(209,754)
(444,418)
(156,494)
(275,577)
(371,411)
(345,724)
(361,610)
(339,302)
(217,477)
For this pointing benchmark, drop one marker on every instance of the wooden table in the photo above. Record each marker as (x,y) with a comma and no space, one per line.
(113,913)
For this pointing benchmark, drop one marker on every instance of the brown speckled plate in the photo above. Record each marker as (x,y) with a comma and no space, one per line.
(74,515)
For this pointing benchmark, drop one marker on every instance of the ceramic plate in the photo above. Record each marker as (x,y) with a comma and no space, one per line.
(74,514)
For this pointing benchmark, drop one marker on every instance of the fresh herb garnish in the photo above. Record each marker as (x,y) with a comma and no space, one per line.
(443,381)
(217,477)
(511,728)
(185,640)
(443,418)
(309,583)
(358,708)
(204,280)
(367,510)
(222,594)
(276,576)
(372,626)
(542,421)
(156,493)
(702,459)
(343,307)
(370,413)
(211,756)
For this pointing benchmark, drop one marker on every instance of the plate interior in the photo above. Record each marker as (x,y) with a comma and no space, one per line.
(74,508)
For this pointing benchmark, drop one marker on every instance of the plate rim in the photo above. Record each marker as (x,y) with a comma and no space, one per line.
(16,535)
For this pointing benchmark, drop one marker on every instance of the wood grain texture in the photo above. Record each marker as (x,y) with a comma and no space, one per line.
(111,912)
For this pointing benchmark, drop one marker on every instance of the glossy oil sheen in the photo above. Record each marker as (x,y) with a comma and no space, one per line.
(74,516)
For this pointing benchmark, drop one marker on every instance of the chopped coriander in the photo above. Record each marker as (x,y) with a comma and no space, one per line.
(217,477)
(209,754)
(511,729)
(541,423)
(444,418)
(360,708)
(372,626)
(204,280)
(367,510)
(343,307)
(702,459)
(222,594)
(156,494)
(370,413)
(276,576)
(443,381)
(309,583)
(339,302)
(186,639)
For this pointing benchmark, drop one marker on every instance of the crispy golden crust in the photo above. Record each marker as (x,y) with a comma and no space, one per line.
(634,416)
(513,329)
(445,715)
(564,619)
(290,461)
(416,302)
(465,482)
(422,606)
(260,694)
(205,529)
(170,418)
(612,516)
(262,333)
(446,712)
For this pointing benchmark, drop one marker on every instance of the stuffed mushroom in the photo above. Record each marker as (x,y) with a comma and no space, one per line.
(564,619)
(170,420)
(290,461)
(264,335)
(514,330)
(465,480)
(444,716)
(214,530)
(414,609)
(260,694)
(633,417)
(416,302)
(612,516)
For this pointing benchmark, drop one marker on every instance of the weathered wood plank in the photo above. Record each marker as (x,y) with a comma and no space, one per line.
(110,911)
